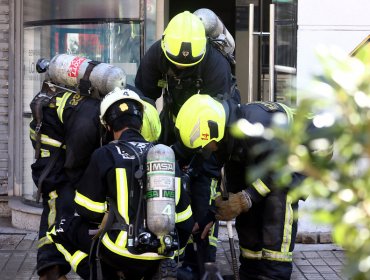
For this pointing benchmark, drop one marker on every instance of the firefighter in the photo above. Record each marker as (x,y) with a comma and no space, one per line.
(178,65)
(64,132)
(264,212)
(112,182)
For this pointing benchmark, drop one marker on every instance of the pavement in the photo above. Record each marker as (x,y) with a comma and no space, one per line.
(311,261)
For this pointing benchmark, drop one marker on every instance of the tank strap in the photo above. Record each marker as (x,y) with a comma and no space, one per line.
(46,171)
(85,83)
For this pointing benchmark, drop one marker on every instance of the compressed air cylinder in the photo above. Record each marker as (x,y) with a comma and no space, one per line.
(160,192)
(69,70)
(215,29)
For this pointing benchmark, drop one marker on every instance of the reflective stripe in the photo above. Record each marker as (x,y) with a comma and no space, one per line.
(46,140)
(277,256)
(98,207)
(121,240)
(52,208)
(212,240)
(122,193)
(184,215)
(213,188)
(122,251)
(43,241)
(288,225)
(212,233)
(61,103)
(177,189)
(260,187)
(179,252)
(75,259)
(44,153)
(249,254)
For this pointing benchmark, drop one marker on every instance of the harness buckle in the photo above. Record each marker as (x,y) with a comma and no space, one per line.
(38,127)
(131,230)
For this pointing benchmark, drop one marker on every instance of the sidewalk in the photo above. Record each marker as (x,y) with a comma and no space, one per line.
(311,262)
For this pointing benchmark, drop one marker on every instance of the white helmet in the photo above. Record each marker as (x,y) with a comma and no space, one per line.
(114,96)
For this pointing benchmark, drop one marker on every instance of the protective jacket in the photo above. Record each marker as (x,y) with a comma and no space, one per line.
(110,174)
(267,231)
(69,120)
(210,76)
(243,152)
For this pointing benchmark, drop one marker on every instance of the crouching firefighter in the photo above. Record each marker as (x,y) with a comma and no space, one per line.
(130,223)
(263,211)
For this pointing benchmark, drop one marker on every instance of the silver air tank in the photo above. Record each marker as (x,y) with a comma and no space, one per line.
(215,29)
(160,192)
(69,70)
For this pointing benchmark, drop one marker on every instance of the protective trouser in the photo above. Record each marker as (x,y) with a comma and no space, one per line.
(56,204)
(72,238)
(203,192)
(267,235)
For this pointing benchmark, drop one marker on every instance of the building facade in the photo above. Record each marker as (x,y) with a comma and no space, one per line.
(275,43)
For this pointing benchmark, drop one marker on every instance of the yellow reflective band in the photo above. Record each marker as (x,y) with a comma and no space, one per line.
(77,257)
(260,187)
(184,215)
(121,240)
(122,251)
(61,103)
(46,140)
(44,153)
(288,225)
(179,252)
(212,233)
(52,206)
(65,253)
(122,193)
(277,256)
(98,207)
(43,241)
(177,189)
(212,241)
(190,240)
(249,254)
(213,190)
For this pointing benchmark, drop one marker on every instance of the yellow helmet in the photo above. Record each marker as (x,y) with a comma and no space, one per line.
(151,129)
(200,120)
(184,40)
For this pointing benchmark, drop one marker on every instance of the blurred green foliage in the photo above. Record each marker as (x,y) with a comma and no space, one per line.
(338,104)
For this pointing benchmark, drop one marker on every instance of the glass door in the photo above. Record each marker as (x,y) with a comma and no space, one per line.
(272,38)
(115,32)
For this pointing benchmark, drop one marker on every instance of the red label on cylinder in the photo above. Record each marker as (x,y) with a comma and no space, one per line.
(75,66)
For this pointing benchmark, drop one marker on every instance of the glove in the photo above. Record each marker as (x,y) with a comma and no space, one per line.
(231,208)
